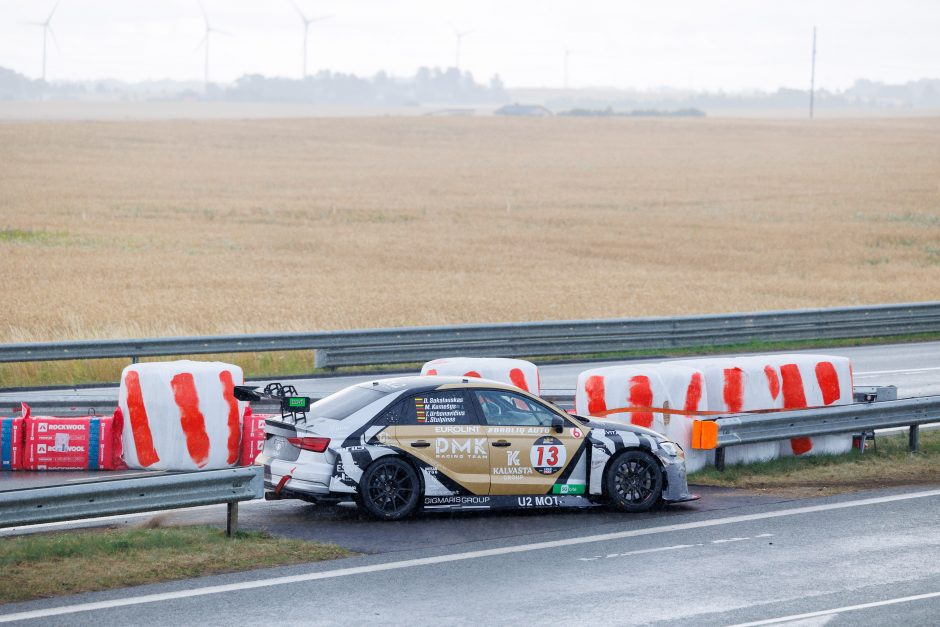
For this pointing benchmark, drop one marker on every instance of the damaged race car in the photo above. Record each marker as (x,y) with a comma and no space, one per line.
(451,443)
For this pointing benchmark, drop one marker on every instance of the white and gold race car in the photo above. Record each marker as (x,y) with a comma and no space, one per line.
(452,443)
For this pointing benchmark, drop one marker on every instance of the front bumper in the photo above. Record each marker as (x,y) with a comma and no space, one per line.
(677,488)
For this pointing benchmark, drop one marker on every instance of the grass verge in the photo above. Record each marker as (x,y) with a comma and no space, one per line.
(270,365)
(47,565)
(889,464)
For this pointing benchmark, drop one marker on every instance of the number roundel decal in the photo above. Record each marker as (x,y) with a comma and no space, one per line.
(548,455)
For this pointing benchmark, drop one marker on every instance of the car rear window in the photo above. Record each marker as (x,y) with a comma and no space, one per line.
(345,402)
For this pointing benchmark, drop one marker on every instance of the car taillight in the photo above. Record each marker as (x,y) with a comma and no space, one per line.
(317,445)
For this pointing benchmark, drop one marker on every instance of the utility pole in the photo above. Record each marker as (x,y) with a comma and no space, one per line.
(812,79)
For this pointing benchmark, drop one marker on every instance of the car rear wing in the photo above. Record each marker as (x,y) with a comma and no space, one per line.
(292,405)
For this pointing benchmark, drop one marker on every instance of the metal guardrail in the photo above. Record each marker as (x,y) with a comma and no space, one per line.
(856,418)
(523,339)
(126,496)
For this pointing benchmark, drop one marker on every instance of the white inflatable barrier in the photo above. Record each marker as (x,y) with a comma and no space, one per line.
(735,385)
(181,415)
(600,392)
(814,381)
(732,385)
(517,372)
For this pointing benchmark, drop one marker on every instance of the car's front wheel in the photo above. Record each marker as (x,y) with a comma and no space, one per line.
(390,489)
(634,481)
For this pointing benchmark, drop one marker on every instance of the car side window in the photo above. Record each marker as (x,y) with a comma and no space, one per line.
(391,415)
(442,407)
(504,408)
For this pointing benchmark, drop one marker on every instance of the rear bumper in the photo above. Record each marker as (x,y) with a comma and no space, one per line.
(305,479)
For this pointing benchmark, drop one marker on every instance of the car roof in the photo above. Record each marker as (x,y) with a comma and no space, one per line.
(434,382)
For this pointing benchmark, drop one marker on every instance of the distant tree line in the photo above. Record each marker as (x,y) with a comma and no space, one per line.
(428,85)
(646,113)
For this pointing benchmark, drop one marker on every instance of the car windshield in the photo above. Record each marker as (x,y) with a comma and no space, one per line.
(345,402)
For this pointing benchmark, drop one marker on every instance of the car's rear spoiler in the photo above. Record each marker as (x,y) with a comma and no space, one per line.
(292,405)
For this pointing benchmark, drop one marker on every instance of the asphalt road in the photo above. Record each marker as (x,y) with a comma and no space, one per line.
(809,562)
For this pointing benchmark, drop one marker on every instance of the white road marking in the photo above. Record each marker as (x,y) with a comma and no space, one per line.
(729,540)
(903,370)
(840,610)
(453,557)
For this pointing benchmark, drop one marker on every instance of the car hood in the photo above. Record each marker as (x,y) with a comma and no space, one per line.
(619,426)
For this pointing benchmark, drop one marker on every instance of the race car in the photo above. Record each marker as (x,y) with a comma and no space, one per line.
(451,443)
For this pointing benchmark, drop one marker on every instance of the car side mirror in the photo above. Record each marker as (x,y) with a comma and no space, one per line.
(558,424)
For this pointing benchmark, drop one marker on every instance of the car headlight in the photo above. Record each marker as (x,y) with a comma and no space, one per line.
(671,448)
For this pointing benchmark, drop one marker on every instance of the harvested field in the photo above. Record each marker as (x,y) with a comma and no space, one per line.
(122,229)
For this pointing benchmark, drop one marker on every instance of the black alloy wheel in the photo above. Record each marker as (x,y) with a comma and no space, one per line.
(390,489)
(634,481)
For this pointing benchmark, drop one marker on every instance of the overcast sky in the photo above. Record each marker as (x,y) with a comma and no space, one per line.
(700,44)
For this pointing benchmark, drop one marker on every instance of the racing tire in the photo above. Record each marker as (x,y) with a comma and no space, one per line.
(390,489)
(634,482)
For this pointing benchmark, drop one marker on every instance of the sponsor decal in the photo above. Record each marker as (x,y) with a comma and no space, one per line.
(517,430)
(539,501)
(459,429)
(576,433)
(457,500)
(512,458)
(460,448)
(548,455)
(568,488)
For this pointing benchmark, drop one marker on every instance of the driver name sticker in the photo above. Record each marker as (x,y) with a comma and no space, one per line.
(435,409)
(548,455)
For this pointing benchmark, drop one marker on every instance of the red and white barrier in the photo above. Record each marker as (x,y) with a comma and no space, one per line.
(735,385)
(601,391)
(181,415)
(813,381)
(252,436)
(517,372)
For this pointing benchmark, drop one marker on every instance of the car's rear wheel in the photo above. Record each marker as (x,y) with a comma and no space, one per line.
(634,482)
(390,489)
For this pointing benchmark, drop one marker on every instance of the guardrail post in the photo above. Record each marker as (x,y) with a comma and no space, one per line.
(720,459)
(134,359)
(913,438)
(231,520)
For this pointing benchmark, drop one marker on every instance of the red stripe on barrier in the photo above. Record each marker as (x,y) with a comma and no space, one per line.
(793,395)
(140,424)
(641,395)
(828,381)
(472,373)
(191,419)
(693,395)
(432,372)
(794,398)
(234,424)
(734,389)
(594,387)
(518,379)
(773,381)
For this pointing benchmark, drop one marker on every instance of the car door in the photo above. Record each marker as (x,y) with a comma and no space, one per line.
(527,454)
(440,428)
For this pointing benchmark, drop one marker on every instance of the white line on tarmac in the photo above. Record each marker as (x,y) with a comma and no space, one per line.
(840,610)
(453,557)
(876,372)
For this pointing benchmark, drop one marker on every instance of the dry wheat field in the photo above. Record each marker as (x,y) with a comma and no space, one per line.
(150,228)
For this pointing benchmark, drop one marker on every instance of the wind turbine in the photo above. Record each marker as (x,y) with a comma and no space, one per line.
(460,34)
(307,22)
(568,53)
(47,30)
(205,41)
